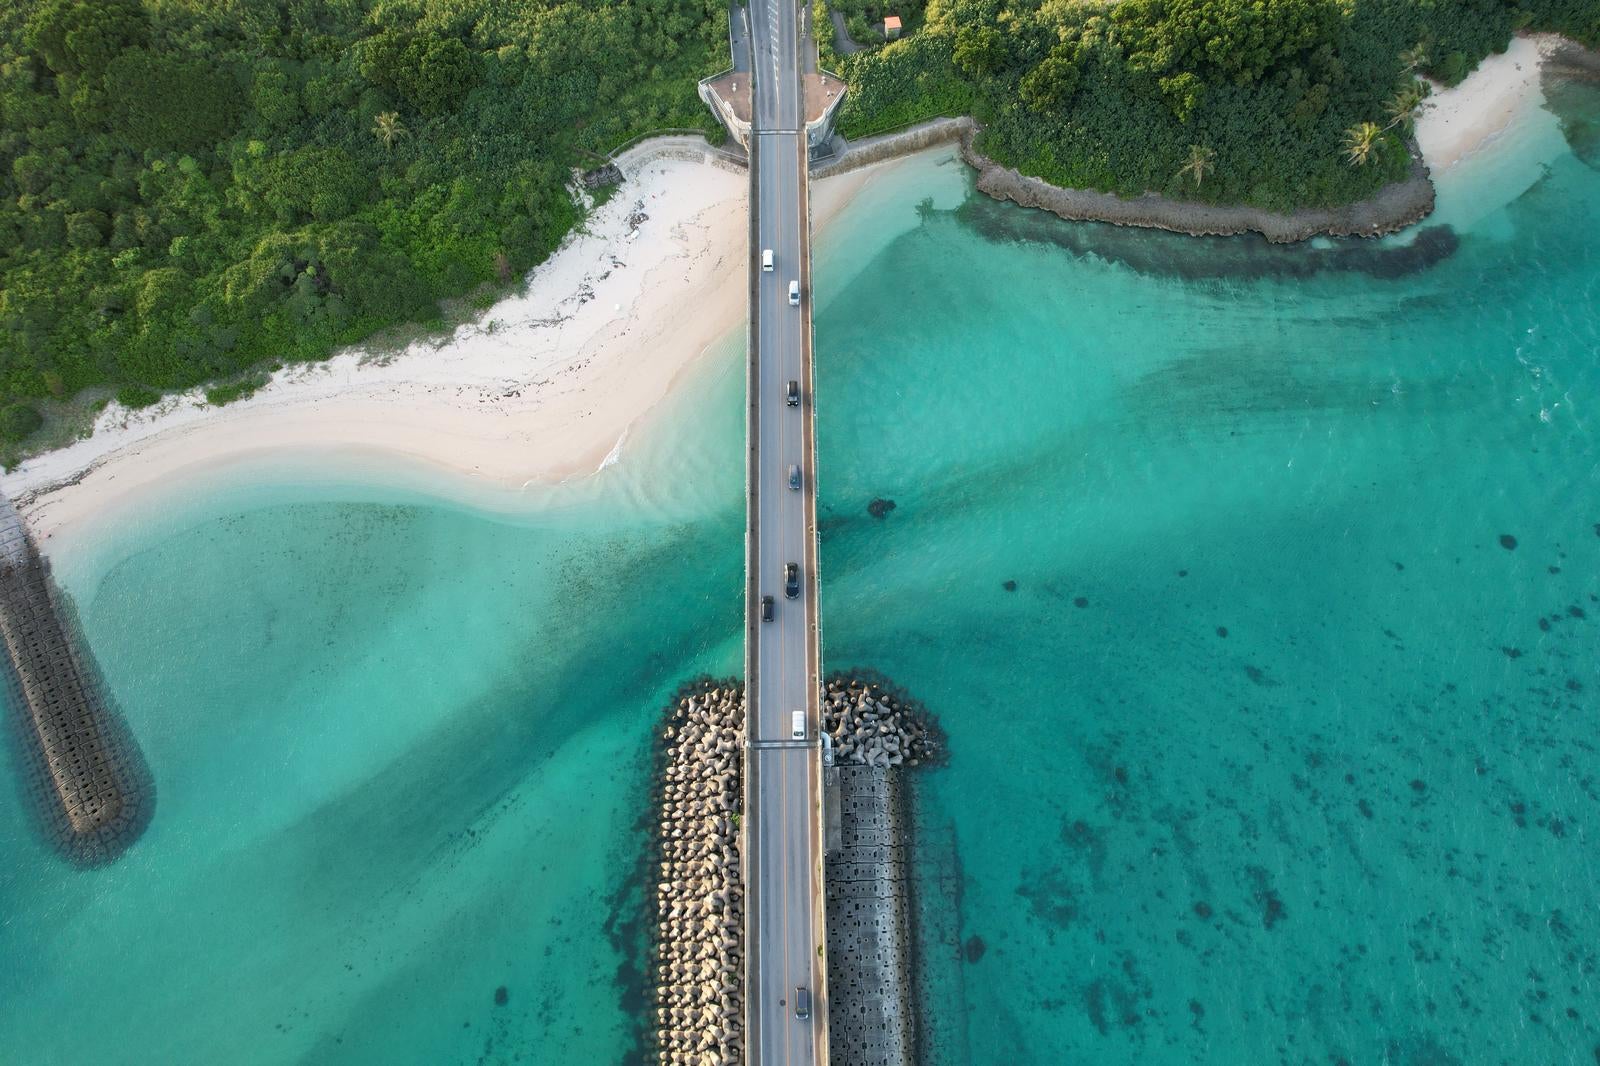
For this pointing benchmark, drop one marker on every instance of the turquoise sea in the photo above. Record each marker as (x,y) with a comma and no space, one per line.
(1255,587)
(1257,591)
(401,746)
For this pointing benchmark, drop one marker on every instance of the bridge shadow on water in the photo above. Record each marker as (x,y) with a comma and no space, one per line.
(940,950)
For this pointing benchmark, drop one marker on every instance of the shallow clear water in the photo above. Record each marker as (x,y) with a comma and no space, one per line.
(1274,753)
(401,750)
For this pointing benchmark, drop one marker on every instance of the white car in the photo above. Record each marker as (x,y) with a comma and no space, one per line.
(794,294)
(766,260)
(797,726)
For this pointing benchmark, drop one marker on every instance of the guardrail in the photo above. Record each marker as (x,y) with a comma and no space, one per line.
(821,993)
(752,594)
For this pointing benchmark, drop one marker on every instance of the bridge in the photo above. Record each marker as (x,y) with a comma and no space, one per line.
(780,107)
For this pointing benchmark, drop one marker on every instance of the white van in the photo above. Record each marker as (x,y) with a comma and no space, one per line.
(766,260)
(794,294)
(797,727)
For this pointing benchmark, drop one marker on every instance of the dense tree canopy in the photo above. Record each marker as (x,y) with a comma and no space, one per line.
(1241,101)
(190,188)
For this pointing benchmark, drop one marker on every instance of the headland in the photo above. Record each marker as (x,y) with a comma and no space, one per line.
(1454,124)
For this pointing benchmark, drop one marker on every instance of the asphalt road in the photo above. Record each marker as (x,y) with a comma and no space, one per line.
(785,834)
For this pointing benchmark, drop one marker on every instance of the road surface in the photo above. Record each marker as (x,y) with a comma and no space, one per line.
(785,834)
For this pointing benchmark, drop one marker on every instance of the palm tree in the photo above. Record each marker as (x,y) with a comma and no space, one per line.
(1361,143)
(1413,59)
(388,128)
(1202,160)
(1402,106)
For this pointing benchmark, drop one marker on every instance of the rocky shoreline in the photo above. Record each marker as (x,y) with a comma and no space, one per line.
(1395,206)
(1572,60)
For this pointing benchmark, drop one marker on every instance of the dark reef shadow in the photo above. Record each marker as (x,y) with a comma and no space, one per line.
(1157,253)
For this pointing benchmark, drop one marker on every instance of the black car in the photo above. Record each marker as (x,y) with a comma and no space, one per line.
(766,608)
(792,395)
(791,580)
(802,1002)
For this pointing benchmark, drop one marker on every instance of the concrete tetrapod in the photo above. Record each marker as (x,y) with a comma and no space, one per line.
(699,948)
(699,951)
(874,725)
(84,776)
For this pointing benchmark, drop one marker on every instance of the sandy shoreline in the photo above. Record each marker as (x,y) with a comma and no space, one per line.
(1454,124)
(546,384)
(1460,122)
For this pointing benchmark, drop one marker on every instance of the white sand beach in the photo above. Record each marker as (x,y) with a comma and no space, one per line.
(1459,122)
(541,387)
(545,384)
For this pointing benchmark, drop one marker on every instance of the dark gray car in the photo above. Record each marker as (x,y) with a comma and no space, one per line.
(794,476)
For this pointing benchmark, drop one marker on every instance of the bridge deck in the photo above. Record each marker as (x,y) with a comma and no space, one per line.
(785,945)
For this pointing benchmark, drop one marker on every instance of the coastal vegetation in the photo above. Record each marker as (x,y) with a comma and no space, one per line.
(1280,104)
(864,18)
(191,189)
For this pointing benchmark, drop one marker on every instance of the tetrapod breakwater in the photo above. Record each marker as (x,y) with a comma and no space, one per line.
(873,730)
(876,732)
(872,723)
(83,775)
(699,942)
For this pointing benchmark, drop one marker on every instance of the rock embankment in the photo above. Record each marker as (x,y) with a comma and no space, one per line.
(873,724)
(1392,208)
(1389,210)
(81,770)
(699,894)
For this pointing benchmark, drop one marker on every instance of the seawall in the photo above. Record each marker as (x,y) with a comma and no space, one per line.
(871,1018)
(870,150)
(83,774)
(690,148)
(876,734)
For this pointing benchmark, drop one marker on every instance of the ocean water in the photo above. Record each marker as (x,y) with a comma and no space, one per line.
(1254,586)
(401,746)
(1258,590)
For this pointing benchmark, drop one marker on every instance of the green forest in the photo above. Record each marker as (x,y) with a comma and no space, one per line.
(1277,103)
(194,190)
(864,18)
